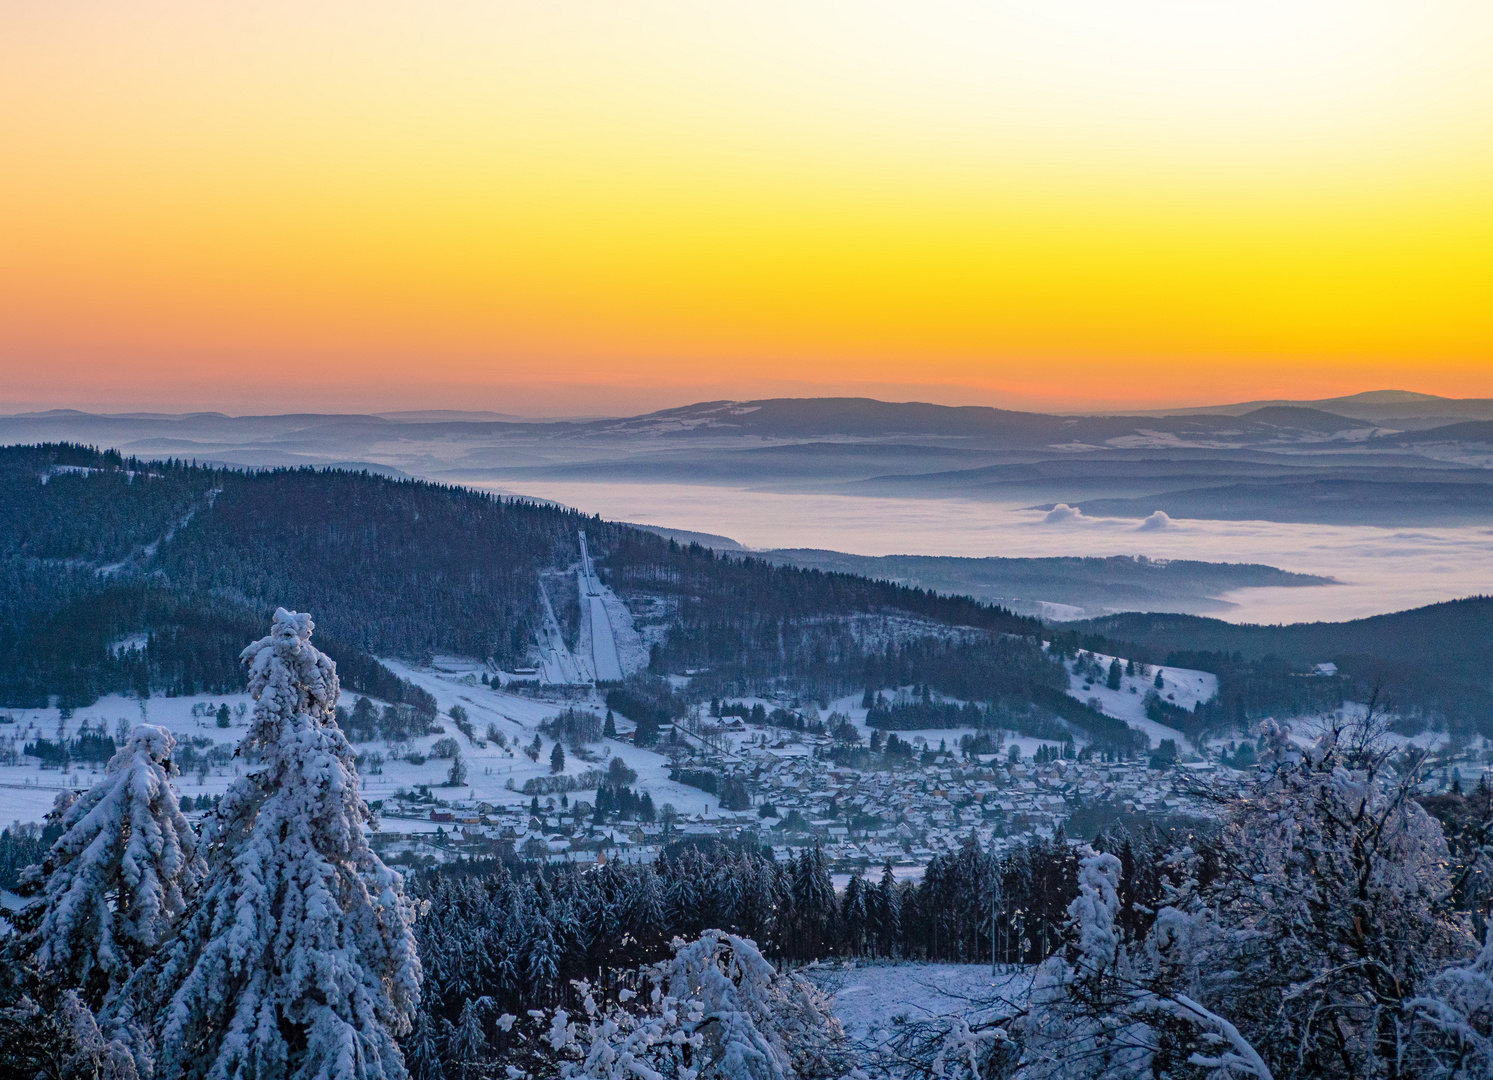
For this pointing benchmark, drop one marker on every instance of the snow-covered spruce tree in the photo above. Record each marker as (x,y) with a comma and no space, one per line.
(120,874)
(298,960)
(424,1057)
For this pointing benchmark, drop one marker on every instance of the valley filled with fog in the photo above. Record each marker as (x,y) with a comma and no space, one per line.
(1379,570)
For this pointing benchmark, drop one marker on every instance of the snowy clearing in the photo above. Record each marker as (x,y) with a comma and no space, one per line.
(873,1000)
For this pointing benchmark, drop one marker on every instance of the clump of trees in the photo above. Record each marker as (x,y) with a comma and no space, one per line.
(730,790)
(574,727)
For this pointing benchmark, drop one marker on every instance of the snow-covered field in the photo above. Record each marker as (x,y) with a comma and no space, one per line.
(27,790)
(1181,686)
(873,1000)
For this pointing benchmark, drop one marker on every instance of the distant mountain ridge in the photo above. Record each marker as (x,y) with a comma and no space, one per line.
(1221,464)
(1379,406)
(777,418)
(1085,585)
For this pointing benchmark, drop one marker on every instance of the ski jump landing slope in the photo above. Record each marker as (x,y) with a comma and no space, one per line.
(605,663)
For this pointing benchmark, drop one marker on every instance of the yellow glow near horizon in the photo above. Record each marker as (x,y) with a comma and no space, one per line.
(1046,203)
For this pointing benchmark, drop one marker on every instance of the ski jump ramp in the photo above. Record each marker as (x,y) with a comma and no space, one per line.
(606,665)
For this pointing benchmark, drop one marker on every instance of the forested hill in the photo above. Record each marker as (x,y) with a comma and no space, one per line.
(1432,661)
(1456,636)
(99,552)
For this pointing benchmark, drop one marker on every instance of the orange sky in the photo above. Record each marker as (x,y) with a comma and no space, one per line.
(566,207)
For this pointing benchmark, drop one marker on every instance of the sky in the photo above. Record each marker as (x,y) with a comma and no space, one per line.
(562,207)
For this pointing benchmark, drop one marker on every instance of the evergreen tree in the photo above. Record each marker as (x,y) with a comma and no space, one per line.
(647,913)
(557,759)
(609,730)
(299,957)
(889,911)
(853,916)
(814,901)
(541,957)
(120,874)
(467,1046)
(423,1054)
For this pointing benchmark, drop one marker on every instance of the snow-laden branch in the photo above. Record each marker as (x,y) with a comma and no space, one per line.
(1243,1059)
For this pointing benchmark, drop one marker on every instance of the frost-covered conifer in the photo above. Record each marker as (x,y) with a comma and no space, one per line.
(424,1057)
(467,1047)
(1115,1012)
(716,1011)
(647,912)
(299,959)
(120,874)
(889,910)
(1081,1022)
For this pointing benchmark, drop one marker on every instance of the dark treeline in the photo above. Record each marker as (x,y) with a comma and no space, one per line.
(972,669)
(518,934)
(1035,712)
(183,645)
(575,727)
(393,723)
(731,790)
(94,746)
(922,715)
(23,845)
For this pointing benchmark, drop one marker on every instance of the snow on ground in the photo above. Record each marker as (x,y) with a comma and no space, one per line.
(632,651)
(1182,686)
(27,790)
(870,999)
(22,802)
(490,768)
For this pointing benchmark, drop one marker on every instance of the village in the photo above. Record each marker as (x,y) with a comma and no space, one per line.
(486,781)
(863,817)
